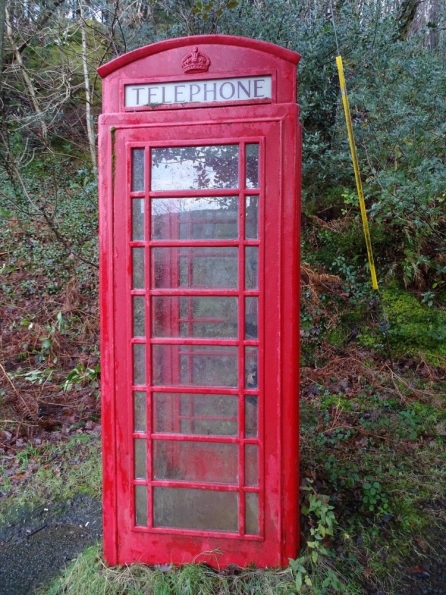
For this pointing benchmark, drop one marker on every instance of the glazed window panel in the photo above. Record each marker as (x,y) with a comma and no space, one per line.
(138,170)
(251,465)
(139,363)
(251,367)
(195,267)
(140,459)
(252,166)
(195,168)
(138,220)
(204,414)
(210,317)
(139,316)
(138,273)
(195,365)
(252,217)
(251,318)
(197,218)
(251,267)
(252,513)
(202,462)
(202,510)
(139,412)
(251,416)
(141,506)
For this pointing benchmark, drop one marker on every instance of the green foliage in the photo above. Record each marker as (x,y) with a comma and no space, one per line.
(306,568)
(80,376)
(415,328)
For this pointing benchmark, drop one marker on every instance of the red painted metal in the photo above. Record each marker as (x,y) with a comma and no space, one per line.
(200,414)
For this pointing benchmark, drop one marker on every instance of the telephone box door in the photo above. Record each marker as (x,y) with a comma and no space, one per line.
(198,268)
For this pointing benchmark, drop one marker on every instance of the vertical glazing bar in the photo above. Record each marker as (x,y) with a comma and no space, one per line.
(261,335)
(149,333)
(241,326)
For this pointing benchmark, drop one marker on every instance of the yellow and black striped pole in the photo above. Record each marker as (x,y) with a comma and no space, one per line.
(351,139)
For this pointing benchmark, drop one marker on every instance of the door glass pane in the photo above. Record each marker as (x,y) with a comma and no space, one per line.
(195,218)
(252,217)
(193,168)
(140,459)
(251,416)
(251,465)
(212,317)
(141,506)
(139,316)
(195,414)
(251,267)
(207,462)
(139,411)
(137,219)
(195,267)
(138,268)
(202,510)
(252,166)
(252,513)
(251,317)
(138,170)
(195,365)
(251,369)
(139,363)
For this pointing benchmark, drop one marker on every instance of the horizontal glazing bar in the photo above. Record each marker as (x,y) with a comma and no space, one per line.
(192,341)
(195,533)
(196,438)
(208,243)
(172,291)
(193,243)
(215,487)
(196,193)
(192,437)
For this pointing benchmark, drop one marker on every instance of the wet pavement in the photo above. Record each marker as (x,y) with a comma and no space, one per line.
(35,545)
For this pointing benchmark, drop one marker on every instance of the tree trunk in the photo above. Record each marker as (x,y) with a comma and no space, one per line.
(88,94)
(407,14)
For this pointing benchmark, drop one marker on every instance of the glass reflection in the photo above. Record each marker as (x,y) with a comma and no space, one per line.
(251,416)
(137,219)
(252,166)
(251,318)
(252,217)
(138,170)
(251,369)
(194,168)
(195,218)
(251,267)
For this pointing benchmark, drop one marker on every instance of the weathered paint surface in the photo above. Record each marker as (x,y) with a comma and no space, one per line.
(186,478)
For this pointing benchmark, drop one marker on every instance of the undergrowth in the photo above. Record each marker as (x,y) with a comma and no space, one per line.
(51,472)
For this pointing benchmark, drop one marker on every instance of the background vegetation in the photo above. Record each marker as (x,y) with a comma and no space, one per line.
(373,366)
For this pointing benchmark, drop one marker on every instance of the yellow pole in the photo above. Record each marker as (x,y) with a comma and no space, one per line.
(351,139)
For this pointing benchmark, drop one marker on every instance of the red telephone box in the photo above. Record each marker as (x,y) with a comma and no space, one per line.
(199,199)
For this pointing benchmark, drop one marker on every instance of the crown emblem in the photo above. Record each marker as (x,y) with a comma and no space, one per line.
(195,62)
